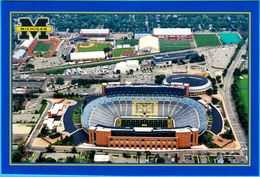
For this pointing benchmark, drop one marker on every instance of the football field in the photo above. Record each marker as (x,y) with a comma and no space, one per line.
(170,45)
(204,40)
(119,52)
(43,48)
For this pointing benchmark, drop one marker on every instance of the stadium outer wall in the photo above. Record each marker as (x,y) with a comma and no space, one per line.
(183,139)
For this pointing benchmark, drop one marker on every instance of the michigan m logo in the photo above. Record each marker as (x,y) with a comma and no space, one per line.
(144,108)
(38,29)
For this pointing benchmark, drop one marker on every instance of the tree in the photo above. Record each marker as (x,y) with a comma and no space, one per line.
(58,95)
(209,92)
(49,159)
(218,77)
(215,100)
(159,79)
(138,154)
(160,160)
(70,159)
(148,153)
(18,154)
(60,81)
(50,149)
(73,149)
(107,49)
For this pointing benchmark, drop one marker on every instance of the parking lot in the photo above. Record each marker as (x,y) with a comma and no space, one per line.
(41,62)
(219,57)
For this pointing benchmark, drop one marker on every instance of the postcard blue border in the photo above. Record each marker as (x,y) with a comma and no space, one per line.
(132,7)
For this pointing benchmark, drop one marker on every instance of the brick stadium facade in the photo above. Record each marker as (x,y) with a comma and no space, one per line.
(174,37)
(147,138)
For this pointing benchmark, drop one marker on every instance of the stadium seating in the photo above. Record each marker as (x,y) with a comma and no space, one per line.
(184,111)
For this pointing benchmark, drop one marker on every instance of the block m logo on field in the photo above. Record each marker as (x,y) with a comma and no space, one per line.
(38,29)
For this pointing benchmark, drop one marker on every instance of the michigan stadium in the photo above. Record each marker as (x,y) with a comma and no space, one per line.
(144,116)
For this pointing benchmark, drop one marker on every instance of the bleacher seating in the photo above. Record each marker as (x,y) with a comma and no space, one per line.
(184,111)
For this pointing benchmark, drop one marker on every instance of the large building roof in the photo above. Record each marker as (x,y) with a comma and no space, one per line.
(149,42)
(27,43)
(172,31)
(196,82)
(124,66)
(94,31)
(87,55)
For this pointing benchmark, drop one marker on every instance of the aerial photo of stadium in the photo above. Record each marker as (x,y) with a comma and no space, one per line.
(132,88)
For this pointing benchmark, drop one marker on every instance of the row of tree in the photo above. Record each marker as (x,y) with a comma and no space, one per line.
(239,45)
(239,105)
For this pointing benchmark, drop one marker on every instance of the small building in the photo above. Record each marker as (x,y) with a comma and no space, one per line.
(92,56)
(120,36)
(126,66)
(173,33)
(101,158)
(138,35)
(20,55)
(95,33)
(55,110)
(149,44)
(20,91)
(167,59)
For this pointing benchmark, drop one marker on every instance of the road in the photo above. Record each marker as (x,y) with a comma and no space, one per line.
(229,104)
(109,61)
(37,128)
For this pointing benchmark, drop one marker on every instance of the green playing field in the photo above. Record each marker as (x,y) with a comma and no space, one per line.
(43,47)
(243,91)
(170,45)
(119,52)
(92,46)
(203,40)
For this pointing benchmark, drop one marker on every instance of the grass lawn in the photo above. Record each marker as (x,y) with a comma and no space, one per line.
(43,106)
(131,42)
(43,47)
(91,46)
(170,45)
(206,40)
(76,115)
(119,52)
(243,91)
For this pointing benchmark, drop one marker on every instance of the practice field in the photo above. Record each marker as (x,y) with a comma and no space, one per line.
(203,40)
(229,38)
(243,91)
(91,46)
(170,45)
(119,52)
(43,48)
